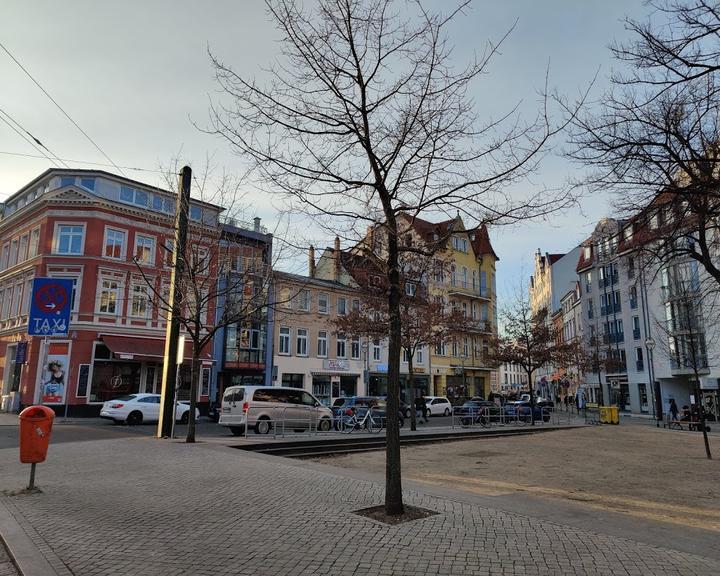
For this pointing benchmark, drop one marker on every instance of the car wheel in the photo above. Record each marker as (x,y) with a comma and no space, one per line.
(134,418)
(185,418)
(447,412)
(237,430)
(262,426)
(324,425)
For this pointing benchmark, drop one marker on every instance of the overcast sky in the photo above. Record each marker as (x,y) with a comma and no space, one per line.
(136,74)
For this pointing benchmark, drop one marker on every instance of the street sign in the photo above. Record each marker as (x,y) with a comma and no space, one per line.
(50,307)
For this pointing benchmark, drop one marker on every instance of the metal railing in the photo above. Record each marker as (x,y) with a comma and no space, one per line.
(279,424)
(487,418)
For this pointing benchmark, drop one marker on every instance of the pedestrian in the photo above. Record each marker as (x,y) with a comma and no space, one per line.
(567,402)
(673,410)
(424,408)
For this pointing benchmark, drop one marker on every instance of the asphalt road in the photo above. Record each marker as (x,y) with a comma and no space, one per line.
(82,430)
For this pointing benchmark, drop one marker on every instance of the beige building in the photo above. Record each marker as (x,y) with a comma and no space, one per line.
(308,354)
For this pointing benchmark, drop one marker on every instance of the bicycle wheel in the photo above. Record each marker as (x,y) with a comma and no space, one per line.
(347,425)
(374,425)
(466,421)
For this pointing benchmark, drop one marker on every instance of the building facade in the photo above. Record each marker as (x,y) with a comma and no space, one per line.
(309,353)
(634,322)
(113,237)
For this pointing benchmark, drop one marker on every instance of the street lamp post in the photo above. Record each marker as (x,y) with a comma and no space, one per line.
(649,347)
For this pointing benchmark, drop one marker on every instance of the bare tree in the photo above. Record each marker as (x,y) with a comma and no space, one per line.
(531,342)
(425,321)
(655,139)
(226,275)
(365,116)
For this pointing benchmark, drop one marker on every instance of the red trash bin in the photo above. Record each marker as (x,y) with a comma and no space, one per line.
(35,427)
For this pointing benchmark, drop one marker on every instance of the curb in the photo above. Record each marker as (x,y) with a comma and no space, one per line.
(31,555)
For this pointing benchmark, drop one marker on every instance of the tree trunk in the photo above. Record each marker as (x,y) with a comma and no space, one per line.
(194,378)
(411,399)
(393,478)
(701,410)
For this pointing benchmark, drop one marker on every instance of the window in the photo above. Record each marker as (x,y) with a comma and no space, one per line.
(26,300)
(464,277)
(419,356)
(114,244)
(356,305)
(590,310)
(474,279)
(636,327)
(195,212)
(460,244)
(13,253)
(466,349)
(6,302)
(322,344)
(453,275)
(322,303)
(639,364)
(406,355)
(633,297)
(168,250)
(88,183)
(341,352)
(376,350)
(23,249)
(454,348)
(284,347)
(483,283)
(410,289)
(133,196)
(34,242)
(16,300)
(292,381)
(341,306)
(5,256)
(631,267)
(144,249)
(304,298)
(139,301)
(69,239)
(67,181)
(109,296)
(74,300)
(301,342)
(355,349)
(588,282)
(440,349)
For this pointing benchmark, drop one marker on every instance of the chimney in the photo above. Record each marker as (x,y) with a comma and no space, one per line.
(336,260)
(256,224)
(311,262)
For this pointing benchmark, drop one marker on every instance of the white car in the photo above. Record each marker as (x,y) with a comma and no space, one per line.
(438,405)
(138,408)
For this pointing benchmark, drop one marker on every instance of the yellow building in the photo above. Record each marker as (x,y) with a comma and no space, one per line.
(464,279)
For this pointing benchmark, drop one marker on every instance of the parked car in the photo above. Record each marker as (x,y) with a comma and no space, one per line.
(138,408)
(379,407)
(476,406)
(260,407)
(522,411)
(360,404)
(438,406)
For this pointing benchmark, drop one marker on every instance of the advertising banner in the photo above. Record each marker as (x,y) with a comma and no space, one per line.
(54,373)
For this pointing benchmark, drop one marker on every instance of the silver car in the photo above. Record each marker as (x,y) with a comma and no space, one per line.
(263,407)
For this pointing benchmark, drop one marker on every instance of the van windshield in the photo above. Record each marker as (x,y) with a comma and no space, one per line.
(339,402)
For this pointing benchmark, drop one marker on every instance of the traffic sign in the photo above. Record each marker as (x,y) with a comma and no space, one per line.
(50,307)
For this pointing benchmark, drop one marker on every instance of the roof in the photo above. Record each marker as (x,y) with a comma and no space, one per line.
(306,280)
(552,258)
(480,240)
(103,174)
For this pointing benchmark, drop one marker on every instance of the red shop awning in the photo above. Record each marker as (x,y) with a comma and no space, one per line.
(139,348)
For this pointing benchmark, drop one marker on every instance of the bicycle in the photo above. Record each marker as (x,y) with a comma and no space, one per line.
(474,418)
(350,422)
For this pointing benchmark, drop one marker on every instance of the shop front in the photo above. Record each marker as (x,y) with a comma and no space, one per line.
(123,365)
(377,385)
(334,381)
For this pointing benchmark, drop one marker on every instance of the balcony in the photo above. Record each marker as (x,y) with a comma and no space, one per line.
(683,366)
(462,289)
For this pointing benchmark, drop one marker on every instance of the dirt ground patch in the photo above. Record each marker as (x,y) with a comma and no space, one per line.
(635,469)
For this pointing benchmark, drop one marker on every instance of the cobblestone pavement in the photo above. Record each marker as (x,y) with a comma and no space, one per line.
(139,506)
(7,568)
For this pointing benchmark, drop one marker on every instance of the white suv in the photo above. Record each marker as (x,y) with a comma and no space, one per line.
(438,405)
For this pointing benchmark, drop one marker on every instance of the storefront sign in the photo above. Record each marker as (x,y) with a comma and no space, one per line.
(53,375)
(336,365)
(418,370)
(381,368)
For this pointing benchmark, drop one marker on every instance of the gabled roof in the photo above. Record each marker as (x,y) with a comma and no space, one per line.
(480,240)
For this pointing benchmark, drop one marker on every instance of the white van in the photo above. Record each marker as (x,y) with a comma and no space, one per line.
(262,407)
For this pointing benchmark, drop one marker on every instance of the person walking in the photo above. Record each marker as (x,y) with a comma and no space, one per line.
(424,408)
(673,410)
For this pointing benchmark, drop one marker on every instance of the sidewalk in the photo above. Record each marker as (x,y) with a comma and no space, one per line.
(139,506)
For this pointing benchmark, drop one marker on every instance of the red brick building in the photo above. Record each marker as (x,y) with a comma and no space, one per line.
(111,236)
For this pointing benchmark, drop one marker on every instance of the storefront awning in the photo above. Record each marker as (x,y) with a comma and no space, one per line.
(139,348)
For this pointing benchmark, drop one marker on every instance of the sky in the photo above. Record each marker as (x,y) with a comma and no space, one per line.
(137,78)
